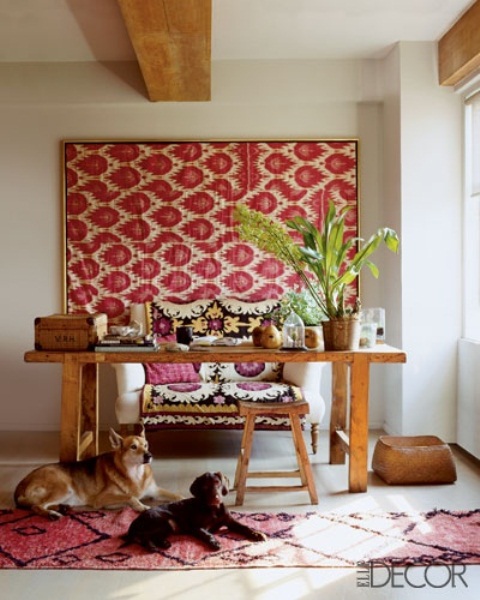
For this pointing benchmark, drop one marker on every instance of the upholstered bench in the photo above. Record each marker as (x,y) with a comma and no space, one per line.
(178,396)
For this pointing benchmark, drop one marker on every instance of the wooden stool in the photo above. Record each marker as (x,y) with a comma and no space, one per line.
(294,410)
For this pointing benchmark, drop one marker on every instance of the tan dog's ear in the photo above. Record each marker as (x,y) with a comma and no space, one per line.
(141,432)
(116,440)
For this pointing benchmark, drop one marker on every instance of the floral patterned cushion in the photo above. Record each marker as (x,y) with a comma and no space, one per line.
(161,373)
(212,402)
(223,317)
(164,317)
(165,373)
(223,372)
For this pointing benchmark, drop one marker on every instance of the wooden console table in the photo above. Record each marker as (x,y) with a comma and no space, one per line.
(350,388)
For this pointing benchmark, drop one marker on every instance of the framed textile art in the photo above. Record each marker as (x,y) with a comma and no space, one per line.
(146,220)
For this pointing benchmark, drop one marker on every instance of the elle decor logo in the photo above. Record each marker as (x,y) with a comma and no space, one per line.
(375,574)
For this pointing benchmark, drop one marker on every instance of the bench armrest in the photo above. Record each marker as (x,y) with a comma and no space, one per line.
(130,377)
(130,381)
(308,376)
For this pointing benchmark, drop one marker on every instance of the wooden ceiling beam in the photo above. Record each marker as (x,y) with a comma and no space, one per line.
(172,41)
(459,48)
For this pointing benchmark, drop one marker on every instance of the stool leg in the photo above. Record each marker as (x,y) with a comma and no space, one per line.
(240,455)
(315,433)
(297,441)
(302,458)
(243,460)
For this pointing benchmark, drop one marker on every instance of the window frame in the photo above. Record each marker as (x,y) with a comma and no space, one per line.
(471,217)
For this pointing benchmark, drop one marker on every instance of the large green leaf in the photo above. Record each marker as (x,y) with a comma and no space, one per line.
(326,252)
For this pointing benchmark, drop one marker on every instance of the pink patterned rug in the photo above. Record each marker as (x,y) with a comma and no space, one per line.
(90,540)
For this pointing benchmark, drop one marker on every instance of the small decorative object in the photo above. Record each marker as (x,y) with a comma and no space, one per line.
(330,254)
(176,347)
(368,335)
(293,333)
(257,336)
(184,334)
(271,337)
(375,316)
(313,336)
(122,330)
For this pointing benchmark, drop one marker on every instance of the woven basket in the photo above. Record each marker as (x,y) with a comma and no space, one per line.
(418,459)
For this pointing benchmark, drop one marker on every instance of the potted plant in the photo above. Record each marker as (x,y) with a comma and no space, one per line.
(301,302)
(328,254)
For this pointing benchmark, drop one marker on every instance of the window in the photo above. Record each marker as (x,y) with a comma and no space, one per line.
(471,249)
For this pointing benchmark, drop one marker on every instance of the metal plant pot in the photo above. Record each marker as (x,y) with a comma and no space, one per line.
(342,334)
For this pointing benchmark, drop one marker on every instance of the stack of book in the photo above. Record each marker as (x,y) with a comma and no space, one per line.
(118,343)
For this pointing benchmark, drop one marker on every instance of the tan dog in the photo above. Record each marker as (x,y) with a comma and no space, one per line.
(113,479)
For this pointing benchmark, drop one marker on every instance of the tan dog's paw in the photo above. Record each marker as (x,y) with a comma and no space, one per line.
(138,506)
(49,513)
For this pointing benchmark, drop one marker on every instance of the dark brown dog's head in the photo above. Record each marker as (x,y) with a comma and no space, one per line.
(210,488)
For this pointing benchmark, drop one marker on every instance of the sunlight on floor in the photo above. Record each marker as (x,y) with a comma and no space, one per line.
(405,506)
(358,503)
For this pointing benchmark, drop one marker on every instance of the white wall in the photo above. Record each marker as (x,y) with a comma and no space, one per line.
(423,138)
(43,104)
(468,424)
(392,175)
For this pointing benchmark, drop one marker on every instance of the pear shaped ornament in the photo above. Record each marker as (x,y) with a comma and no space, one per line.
(293,333)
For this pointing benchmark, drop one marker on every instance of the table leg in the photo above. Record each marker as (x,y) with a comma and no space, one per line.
(89,400)
(79,412)
(71,409)
(359,392)
(338,415)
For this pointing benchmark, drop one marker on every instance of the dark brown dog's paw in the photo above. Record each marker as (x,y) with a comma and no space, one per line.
(213,544)
(259,536)
(157,545)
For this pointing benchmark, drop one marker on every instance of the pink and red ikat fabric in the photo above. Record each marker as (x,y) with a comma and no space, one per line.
(148,220)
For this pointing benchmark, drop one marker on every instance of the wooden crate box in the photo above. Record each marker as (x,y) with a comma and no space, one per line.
(69,332)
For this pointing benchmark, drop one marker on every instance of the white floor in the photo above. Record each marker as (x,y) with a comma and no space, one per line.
(179,458)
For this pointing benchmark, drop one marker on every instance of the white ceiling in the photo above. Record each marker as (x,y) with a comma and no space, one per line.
(85,30)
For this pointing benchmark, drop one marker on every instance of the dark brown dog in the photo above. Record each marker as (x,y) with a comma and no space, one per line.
(120,477)
(199,516)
